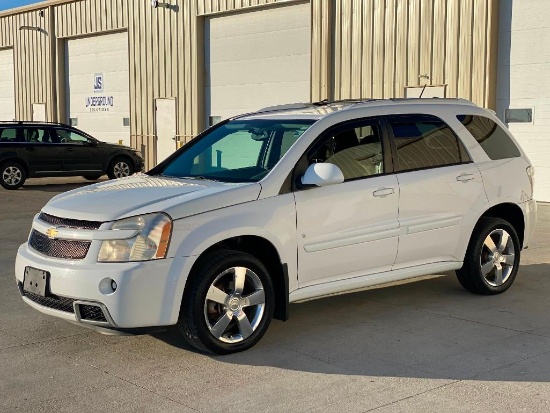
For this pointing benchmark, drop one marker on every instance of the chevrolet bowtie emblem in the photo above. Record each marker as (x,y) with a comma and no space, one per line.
(52,232)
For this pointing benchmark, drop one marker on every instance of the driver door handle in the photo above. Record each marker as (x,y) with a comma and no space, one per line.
(465,177)
(382,192)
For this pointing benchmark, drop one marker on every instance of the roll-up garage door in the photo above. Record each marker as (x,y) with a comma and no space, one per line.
(98,96)
(257,59)
(7,86)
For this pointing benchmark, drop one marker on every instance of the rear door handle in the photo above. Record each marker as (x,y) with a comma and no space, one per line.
(382,192)
(71,149)
(465,177)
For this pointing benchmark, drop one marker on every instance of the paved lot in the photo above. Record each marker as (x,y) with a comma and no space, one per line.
(423,346)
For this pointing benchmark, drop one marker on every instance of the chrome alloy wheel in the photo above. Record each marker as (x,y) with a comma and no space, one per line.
(12,175)
(121,169)
(497,257)
(234,305)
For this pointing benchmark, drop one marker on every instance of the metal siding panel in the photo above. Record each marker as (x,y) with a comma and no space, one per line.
(356,40)
(401,47)
(465,50)
(389,53)
(378,49)
(426,39)
(439,36)
(451,49)
(479,53)
(413,53)
(366,51)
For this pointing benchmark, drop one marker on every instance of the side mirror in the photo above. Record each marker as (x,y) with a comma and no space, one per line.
(322,174)
(92,143)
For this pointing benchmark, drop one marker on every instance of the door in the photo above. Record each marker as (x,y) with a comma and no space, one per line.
(39,112)
(80,153)
(165,128)
(257,58)
(98,85)
(41,152)
(7,86)
(349,229)
(440,191)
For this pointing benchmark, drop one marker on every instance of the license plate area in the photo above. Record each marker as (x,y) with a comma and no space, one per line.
(36,281)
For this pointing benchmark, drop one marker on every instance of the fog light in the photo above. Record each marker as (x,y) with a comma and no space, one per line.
(107,286)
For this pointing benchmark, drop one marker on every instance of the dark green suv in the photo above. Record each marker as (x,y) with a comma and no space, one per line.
(38,149)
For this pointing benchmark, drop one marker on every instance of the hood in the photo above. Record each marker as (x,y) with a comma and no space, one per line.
(143,194)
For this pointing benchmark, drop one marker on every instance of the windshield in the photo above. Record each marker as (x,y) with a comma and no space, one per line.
(238,151)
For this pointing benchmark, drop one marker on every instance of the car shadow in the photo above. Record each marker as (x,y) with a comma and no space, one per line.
(426,329)
(56,186)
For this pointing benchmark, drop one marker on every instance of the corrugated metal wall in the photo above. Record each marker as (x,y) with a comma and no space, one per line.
(217,6)
(360,49)
(381,46)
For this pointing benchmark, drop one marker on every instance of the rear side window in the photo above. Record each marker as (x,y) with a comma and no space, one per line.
(425,142)
(9,135)
(491,137)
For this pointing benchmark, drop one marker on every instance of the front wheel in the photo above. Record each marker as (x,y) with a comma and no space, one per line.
(12,175)
(120,168)
(492,258)
(228,303)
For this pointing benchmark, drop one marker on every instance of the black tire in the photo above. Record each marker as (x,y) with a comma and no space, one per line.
(120,168)
(480,273)
(198,315)
(12,175)
(92,177)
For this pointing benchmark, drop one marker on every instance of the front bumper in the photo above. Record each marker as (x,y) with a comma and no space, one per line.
(148,293)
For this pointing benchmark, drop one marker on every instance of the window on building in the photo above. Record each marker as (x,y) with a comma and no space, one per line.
(356,150)
(518,115)
(425,142)
(494,140)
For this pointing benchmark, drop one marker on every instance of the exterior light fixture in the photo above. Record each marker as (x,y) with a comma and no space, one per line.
(156,3)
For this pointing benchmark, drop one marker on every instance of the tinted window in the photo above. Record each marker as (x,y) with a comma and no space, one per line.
(491,137)
(67,136)
(356,150)
(425,142)
(9,135)
(36,135)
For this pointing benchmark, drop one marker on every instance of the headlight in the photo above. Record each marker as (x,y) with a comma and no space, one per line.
(150,243)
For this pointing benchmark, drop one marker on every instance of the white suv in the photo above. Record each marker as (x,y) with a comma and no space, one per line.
(285,205)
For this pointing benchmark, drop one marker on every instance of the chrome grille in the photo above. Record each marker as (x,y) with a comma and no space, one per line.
(69,223)
(59,248)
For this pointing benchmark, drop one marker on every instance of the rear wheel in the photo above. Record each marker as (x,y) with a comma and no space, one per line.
(228,303)
(12,175)
(120,168)
(492,259)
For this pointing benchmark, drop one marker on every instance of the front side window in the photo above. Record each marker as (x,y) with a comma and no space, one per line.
(425,142)
(68,136)
(356,150)
(491,137)
(238,151)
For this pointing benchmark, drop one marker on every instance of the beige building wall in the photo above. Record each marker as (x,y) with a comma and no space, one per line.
(360,49)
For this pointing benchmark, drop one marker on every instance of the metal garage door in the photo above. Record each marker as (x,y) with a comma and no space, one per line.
(98,96)
(7,86)
(523,93)
(256,59)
